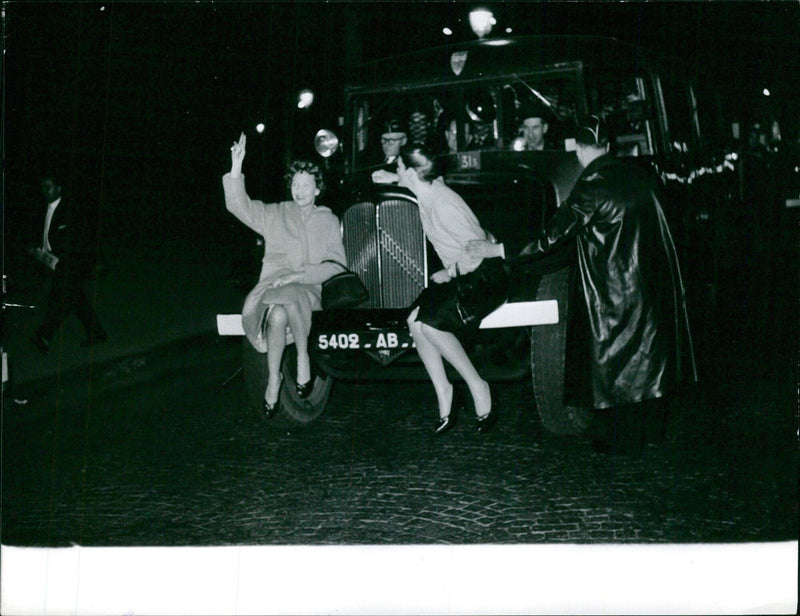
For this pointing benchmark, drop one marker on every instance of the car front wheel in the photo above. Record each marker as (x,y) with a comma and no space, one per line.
(298,410)
(548,345)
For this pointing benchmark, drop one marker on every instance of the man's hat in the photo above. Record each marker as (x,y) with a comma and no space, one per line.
(535,109)
(592,130)
(393,126)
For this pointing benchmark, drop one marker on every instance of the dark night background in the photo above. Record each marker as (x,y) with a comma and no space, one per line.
(138,102)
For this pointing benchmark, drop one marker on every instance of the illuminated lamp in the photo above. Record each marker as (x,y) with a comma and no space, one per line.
(326,142)
(305,99)
(481,21)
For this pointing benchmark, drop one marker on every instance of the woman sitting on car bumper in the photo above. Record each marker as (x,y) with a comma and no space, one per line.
(298,237)
(435,320)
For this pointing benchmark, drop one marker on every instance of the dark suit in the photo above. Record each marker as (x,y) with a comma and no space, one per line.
(390,166)
(73,239)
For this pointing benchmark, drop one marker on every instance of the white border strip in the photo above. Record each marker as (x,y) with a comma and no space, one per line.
(482,579)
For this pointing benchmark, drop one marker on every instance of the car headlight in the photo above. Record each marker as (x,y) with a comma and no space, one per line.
(326,142)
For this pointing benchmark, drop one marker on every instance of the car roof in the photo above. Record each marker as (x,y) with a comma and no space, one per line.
(495,57)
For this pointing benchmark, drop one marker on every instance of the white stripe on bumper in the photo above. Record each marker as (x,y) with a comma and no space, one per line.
(516,314)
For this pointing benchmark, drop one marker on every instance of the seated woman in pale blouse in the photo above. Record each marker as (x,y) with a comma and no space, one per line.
(298,236)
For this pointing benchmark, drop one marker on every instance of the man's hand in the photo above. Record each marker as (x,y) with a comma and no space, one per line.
(441,277)
(483,249)
(44,257)
(381,176)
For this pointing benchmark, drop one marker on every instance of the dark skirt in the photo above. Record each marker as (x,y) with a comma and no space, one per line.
(461,303)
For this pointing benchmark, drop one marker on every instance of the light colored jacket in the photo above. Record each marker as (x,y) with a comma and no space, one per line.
(291,245)
(449,224)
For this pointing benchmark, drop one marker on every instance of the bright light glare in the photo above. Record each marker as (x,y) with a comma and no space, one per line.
(260,127)
(447,31)
(481,21)
(765,91)
(305,99)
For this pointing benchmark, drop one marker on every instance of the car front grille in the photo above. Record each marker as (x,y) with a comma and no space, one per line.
(385,246)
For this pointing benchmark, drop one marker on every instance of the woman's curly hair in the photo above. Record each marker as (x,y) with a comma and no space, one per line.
(297,166)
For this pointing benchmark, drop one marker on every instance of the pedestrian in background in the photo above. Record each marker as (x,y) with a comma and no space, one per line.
(298,236)
(69,250)
(435,321)
(628,342)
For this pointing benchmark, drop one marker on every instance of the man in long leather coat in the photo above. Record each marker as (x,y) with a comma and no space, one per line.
(628,342)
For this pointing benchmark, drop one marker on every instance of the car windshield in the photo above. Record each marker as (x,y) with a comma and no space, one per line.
(455,118)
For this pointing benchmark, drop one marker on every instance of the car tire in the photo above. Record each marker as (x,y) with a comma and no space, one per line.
(547,363)
(296,409)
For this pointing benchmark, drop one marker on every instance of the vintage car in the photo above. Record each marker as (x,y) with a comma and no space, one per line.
(658,115)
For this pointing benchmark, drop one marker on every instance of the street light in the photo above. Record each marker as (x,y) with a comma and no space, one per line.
(481,21)
(305,99)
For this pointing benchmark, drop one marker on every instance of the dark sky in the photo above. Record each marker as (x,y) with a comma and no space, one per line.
(164,87)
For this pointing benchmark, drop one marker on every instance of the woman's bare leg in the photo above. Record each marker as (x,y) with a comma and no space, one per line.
(437,344)
(276,343)
(300,333)
(450,348)
(432,360)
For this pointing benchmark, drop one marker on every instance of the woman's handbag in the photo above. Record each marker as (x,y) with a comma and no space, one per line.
(343,290)
(482,290)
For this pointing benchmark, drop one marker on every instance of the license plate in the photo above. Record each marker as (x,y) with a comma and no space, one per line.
(368,340)
(469,161)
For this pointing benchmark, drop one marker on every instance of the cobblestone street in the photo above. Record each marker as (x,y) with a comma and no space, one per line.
(157,452)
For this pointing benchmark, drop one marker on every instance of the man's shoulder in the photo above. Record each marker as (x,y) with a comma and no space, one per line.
(604,168)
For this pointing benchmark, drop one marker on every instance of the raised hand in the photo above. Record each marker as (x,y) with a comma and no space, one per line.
(237,155)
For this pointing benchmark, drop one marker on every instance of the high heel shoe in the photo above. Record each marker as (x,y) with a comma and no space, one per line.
(488,421)
(304,389)
(446,423)
(270,410)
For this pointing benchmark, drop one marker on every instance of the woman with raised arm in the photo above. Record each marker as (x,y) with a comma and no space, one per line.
(435,320)
(298,237)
